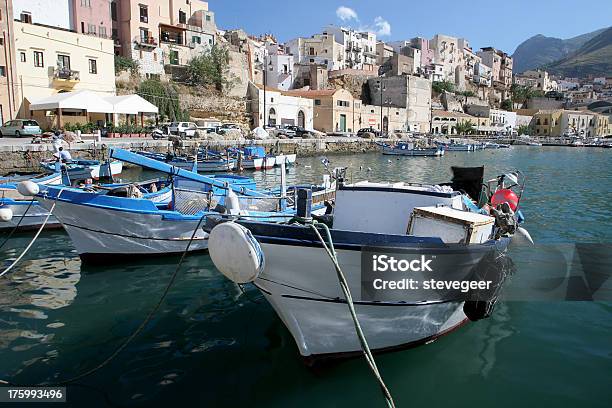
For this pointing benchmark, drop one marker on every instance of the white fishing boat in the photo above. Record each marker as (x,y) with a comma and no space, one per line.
(252,164)
(298,279)
(113,224)
(409,149)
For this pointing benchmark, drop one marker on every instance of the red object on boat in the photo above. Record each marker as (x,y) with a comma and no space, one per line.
(505,196)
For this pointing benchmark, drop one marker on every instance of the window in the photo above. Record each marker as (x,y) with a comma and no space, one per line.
(85,3)
(91,28)
(317,102)
(182,17)
(93,66)
(144,14)
(39,60)
(114,11)
(82,26)
(26,17)
(311,51)
(210,41)
(144,35)
(2,71)
(343,103)
(196,40)
(102,31)
(208,17)
(174,58)
(22,56)
(63,61)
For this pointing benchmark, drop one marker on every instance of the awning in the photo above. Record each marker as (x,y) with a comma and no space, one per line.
(82,100)
(131,104)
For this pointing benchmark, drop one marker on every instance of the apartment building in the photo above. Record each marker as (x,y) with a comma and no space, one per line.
(279,68)
(393,118)
(359,47)
(384,52)
(470,62)
(537,79)
(500,121)
(9,92)
(576,123)
(320,49)
(501,65)
(448,54)
(404,91)
(91,17)
(161,34)
(51,60)
(483,74)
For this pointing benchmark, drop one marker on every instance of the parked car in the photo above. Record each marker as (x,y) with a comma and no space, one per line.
(375,132)
(300,131)
(183,129)
(278,130)
(20,127)
(227,126)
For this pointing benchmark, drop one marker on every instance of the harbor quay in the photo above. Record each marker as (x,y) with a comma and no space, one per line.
(22,156)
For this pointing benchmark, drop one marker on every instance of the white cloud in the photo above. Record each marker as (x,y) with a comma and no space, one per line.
(346,14)
(382,27)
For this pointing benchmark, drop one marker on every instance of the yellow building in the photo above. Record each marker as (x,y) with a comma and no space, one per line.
(600,126)
(335,110)
(52,60)
(547,123)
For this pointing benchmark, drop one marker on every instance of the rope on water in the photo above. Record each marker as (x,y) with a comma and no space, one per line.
(16,226)
(331,252)
(135,333)
(16,261)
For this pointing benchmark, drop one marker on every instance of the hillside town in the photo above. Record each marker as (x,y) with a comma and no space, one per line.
(333,81)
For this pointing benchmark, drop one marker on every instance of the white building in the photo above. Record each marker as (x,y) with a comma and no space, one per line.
(538,79)
(447,53)
(320,49)
(279,68)
(280,108)
(55,14)
(482,74)
(359,47)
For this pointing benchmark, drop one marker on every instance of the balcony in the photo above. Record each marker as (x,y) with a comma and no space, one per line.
(145,42)
(65,78)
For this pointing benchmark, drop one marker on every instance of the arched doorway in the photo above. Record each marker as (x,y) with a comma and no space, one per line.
(385,124)
(301,119)
(272,116)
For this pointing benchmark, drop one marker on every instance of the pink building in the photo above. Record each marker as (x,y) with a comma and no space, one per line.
(92,17)
(427,54)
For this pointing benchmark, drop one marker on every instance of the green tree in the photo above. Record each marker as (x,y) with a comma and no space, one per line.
(125,64)
(524,130)
(506,104)
(465,127)
(165,96)
(440,86)
(210,69)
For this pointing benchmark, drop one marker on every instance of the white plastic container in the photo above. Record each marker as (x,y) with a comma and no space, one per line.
(452,226)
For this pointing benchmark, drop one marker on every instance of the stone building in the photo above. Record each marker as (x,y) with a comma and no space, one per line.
(10,97)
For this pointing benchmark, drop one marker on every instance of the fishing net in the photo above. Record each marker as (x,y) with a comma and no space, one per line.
(191,202)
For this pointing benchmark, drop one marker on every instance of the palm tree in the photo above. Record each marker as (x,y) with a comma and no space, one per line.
(464,127)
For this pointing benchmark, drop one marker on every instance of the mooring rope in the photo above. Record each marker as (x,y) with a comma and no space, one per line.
(134,334)
(42,226)
(16,226)
(331,252)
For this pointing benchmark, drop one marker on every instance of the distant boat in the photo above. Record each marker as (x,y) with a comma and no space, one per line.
(84,169)
(408,149)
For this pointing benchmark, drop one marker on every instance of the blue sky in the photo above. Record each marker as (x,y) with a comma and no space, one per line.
(483,22)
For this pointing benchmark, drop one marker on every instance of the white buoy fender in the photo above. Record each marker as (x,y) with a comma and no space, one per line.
(522,237)
(6,214)
(235,252)
(232,203)
(28,188)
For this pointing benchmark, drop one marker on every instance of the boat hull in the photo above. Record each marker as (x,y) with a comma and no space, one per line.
(98,231)
(33,218)
(255,164)
(301,285)
(413,152)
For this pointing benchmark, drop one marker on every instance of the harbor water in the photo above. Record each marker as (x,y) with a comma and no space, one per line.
(215,344)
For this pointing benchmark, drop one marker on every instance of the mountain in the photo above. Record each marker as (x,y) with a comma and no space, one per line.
(594,57)
(540,50)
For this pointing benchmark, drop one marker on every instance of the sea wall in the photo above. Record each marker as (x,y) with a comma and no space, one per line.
(26,157)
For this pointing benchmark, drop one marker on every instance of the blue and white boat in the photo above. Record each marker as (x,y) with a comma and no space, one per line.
(104,225)
(299,280)
(25,212)
(204,165)
(456,147)
(409,149)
